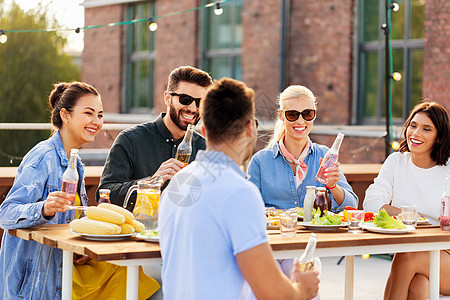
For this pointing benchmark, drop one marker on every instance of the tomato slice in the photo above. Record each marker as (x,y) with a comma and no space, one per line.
(350,208)
(369,216)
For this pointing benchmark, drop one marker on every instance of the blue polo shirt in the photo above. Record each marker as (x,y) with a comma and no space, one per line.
(209,213)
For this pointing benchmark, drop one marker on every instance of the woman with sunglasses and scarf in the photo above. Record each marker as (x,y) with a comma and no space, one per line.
(291,160)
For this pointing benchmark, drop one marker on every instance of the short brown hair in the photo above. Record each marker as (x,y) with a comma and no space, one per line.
(226,109)
(440,119)
(65,95)
(190,75)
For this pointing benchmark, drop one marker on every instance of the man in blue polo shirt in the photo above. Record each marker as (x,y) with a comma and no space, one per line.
(212,225)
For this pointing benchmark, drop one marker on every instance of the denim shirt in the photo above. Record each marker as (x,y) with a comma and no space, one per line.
(273,175)
(30,270)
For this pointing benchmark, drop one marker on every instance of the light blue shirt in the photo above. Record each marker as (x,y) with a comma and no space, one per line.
(273,176)
(209,213)
(30,270)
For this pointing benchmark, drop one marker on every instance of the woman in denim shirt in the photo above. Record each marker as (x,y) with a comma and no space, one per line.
(291,161)
(29,269)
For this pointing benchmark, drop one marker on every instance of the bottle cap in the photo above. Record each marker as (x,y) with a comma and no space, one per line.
(106,191)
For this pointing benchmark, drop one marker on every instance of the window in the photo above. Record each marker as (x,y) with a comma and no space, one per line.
(222,40)
(407,33)
(140,59)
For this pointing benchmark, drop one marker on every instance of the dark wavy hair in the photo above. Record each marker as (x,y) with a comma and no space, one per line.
(439,116)
(65,95)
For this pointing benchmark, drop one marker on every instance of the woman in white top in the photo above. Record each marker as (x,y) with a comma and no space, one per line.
(415,176)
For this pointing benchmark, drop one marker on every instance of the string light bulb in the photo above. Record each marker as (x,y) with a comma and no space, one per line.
(218,10)
(395,145)
(3,37)
(396,76)
(152,25)
(394,6)
(365,256)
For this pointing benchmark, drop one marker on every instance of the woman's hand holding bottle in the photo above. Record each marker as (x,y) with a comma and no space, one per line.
(56,202)
(332,174)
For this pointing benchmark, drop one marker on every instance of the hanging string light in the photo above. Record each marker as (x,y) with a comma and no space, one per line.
(152,25)
(152,22)
(395,145)
(396,76)
(3,37)
(394,6)
(218,10)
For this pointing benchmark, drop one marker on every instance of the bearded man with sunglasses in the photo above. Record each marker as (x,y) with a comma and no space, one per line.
(149,149)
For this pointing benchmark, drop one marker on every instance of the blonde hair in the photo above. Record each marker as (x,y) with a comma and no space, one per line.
(291,92)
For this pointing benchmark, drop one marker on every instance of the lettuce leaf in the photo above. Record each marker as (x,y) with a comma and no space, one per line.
(385,221)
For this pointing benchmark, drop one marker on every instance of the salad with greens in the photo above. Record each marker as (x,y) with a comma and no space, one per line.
(150,233)
(327,219)
(385,221)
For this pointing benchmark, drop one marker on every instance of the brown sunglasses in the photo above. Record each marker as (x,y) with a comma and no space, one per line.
(293,115)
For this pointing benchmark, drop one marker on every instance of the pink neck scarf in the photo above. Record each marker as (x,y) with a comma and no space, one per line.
(300,166)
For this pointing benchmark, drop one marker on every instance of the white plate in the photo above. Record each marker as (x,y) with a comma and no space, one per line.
(423,221)
(322,227)
(373,228)
(148,238)
(104,237)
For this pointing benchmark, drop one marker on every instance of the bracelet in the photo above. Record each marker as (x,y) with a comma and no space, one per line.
(330,188)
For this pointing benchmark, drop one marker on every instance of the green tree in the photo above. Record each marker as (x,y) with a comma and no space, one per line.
(29,64)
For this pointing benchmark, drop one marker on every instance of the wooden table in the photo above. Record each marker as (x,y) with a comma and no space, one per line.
(341,243)
(133,252)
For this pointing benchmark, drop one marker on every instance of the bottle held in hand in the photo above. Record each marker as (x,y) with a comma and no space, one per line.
(70,178)
(330,158)
(306,261)
(184,150)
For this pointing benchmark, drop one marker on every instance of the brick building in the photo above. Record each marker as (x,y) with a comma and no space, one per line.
(334,47)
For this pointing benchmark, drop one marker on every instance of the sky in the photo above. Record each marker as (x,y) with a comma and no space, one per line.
(69,13)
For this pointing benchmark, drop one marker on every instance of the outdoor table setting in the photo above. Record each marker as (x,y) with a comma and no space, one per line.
(133,252)
(341,240)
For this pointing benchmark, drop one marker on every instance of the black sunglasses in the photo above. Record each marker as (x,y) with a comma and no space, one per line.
(293,115)
(186,99)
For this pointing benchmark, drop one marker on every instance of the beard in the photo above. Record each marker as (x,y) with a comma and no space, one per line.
(176,117)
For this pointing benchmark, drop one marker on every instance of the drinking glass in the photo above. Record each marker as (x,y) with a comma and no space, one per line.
(288,223)
(355,218)
(409,215)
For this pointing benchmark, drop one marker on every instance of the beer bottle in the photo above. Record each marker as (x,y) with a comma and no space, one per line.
(184,150)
